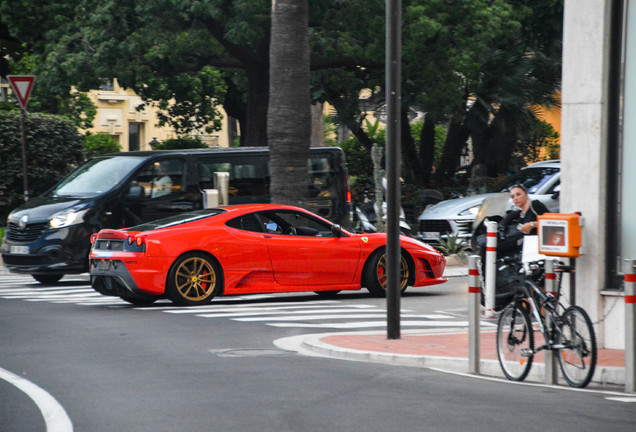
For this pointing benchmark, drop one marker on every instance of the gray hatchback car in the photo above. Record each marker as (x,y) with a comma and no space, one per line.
(461,217)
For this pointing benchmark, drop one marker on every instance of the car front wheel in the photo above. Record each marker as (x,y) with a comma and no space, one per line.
(47,278)
(375,273)
(194,279)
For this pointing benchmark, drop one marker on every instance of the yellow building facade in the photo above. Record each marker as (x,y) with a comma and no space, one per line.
(118,116)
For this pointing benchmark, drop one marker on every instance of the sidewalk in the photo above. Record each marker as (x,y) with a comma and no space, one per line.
(445,349)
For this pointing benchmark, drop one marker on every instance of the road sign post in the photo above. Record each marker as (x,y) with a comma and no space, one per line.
(22,86)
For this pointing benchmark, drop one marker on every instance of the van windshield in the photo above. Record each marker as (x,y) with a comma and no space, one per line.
(97,176)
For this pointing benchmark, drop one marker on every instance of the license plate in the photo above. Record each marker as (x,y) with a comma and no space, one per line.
(430,235)
(103,265)
(19,250)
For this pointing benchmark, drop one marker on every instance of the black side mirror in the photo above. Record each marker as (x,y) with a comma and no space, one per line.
(135,193)
(336,229)
(556,194)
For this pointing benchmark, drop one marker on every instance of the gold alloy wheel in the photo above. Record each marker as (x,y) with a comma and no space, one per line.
(381,271)
(195,279)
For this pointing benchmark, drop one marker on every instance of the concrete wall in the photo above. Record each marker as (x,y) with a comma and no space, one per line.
(584,153)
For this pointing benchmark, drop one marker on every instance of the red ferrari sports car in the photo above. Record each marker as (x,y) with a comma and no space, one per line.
(245,249)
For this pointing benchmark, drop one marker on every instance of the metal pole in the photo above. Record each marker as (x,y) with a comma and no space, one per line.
(630,326)
(474,301)
(551,373)
(393,99)
(491,269)
(25,177)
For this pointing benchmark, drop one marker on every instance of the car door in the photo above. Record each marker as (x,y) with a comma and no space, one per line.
(304,251)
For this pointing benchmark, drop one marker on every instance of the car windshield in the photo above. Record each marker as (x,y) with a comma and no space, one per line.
(531,178)
(97,176)
(177,220)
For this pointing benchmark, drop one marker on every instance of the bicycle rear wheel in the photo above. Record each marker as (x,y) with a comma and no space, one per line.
(578,358)
(515,342)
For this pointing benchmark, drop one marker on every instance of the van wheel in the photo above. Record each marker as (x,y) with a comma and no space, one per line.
(138,301)
(375,273)
(48,278)
(194,279)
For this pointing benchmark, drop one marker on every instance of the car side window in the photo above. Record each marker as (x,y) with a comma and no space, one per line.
(246,223)
(161,178)
(294,223)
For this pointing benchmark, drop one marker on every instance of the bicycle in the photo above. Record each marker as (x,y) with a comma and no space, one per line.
(567,332)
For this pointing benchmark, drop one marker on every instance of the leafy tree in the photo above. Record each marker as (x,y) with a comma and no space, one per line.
(54,147)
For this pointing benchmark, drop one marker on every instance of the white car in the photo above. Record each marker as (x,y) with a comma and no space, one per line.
(460,217)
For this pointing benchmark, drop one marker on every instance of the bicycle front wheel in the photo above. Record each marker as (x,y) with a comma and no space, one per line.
(578,357)
(515,342)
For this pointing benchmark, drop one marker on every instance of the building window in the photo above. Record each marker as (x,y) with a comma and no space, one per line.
(134,136)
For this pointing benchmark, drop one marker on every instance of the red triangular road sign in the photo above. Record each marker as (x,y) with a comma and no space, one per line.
(22,86)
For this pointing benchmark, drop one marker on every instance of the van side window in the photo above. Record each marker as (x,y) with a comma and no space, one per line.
(249,177)
(161,178)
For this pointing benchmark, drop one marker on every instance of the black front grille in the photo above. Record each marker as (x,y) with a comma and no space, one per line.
(435,225)
(30,233)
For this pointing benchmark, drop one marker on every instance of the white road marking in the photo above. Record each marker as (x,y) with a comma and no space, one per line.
(368,324)
(54,415)
(622,399)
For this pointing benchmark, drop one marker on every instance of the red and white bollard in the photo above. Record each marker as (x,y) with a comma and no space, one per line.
(491,269)
(630,326)
(474,302)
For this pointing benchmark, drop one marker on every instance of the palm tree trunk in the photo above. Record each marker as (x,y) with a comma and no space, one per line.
(289,115)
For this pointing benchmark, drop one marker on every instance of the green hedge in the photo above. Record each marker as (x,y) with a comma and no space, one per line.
(54,147)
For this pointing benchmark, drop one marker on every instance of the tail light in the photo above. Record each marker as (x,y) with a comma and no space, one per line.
(93,238)
(348,190)
(138,240)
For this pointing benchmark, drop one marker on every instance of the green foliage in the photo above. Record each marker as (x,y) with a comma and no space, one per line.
(100,144)
(541,144)
(452,245)
(54,147)
(1,234)
(180,143)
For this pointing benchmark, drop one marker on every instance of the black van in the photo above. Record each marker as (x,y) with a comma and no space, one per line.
(49,236)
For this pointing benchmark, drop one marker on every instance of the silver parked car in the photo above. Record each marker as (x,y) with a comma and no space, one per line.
(463,216)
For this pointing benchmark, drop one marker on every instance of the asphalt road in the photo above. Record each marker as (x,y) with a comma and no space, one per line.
(108,366)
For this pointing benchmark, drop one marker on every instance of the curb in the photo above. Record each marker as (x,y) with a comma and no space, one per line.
(312,345)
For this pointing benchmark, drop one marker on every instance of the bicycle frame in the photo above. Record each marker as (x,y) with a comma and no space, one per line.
(548,324)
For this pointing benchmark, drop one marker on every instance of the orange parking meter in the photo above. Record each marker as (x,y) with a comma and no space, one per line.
(560,234)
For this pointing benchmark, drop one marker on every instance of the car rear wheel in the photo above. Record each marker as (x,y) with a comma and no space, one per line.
(48,278)
(375,273)
(194,279)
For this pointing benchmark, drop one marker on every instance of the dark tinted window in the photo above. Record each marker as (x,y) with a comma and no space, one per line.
(294,223)
(161,178)
(249,177)
(246,223)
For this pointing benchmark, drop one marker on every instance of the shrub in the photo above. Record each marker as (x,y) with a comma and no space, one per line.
(54,147)
(180,143)
(452,245)
(100,144)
